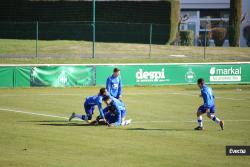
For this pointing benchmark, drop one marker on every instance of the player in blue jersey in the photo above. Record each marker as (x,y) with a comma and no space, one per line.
(116,112)
(208,106)
(114,84)
(89,106)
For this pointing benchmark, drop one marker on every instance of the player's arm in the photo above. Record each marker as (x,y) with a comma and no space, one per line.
(100,109)
(205,98)
(99,104)
(120,89)
(108,85)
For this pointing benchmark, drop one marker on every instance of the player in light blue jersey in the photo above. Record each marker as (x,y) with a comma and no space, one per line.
(114,84)
(208,106)
(89,106)
(116,112)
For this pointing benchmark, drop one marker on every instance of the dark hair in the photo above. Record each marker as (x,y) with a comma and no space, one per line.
(116,70)
(102,91)
(201,81)
(112,108)
(105,98)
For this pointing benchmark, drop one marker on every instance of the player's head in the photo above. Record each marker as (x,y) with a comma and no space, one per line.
(200,82)
(112,108)
(116,72)
(103,92)
(107,100)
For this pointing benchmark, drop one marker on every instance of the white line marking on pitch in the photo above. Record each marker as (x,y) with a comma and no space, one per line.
(134,122)
(31,113)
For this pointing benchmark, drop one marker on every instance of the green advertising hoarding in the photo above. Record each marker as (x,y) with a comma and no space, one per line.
(173,74)
(54,76)
(15,77)
(62,76)
(22,77)
(6,77)
(132,74)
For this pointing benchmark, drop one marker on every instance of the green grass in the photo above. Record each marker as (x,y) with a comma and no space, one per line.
(31,140)
(17,51)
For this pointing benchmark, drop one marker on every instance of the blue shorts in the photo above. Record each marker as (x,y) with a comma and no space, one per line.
(89,109)
(111,118)
(202,109)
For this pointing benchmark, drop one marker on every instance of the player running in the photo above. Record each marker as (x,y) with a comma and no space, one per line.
(114,84)
(116,112)
(208,107)
(89,106)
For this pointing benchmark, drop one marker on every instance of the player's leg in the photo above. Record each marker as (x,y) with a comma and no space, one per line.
(213,117)
(201,110)
(124,121)
(123,114)
(89,110)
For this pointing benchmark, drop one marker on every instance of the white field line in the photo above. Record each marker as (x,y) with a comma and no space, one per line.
(141,93)
(121,64)
(31,113)
(134,122)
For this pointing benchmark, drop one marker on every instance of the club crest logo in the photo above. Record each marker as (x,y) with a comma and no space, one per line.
(190,76)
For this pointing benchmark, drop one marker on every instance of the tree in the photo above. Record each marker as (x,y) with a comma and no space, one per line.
(234,22)
(219,35)
(175,14)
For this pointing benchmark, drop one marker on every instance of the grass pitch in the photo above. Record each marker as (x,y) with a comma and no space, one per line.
(161,134)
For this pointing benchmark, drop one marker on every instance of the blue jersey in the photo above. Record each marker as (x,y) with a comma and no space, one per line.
(119,107)
(114,86)
(208,97)
(95,100)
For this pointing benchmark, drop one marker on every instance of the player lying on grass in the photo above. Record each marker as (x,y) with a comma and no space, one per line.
(114,84)
(115,113)
(89,106)
(208,107)
(111,118)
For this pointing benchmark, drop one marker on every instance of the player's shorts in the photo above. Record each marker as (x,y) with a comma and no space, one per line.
(202,109)
(110,118)
(89,109)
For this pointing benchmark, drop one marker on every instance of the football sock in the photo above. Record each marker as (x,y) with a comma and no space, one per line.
(215,119)
(79,116)
(199,120)
(86,117)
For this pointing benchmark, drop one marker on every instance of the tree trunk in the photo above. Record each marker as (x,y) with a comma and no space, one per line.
(234,22)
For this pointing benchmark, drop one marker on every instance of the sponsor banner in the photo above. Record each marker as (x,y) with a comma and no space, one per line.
(132,75)
(62,76)
(177,74)
(229,73)
(237,150)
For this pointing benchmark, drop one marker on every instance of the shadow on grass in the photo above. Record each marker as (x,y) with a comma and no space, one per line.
(157,129)
(67,124)
(47,121)
(60,123)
